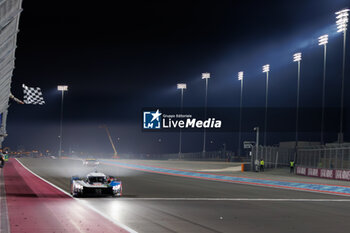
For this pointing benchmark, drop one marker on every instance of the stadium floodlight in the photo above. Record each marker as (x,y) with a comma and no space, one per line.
(205,75)
(240,75)
(323,40)
(181,86)
(240,78)
(297,57)
(61,88)
(342,17)
(266,68)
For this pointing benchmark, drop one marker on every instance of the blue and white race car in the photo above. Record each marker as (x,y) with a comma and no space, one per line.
(96,184)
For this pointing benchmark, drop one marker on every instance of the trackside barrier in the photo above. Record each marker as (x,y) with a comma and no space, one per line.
(333,156)
(272,155)
(324,173)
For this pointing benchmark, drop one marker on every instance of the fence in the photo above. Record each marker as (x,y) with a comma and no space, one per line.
(273,156)
(209,155)
(329,157)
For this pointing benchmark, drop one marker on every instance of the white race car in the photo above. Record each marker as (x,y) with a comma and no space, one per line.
(96,184)
(91,162)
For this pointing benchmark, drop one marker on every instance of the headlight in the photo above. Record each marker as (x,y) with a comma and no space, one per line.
(78,186)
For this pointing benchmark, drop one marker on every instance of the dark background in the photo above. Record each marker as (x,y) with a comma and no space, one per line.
(120,56)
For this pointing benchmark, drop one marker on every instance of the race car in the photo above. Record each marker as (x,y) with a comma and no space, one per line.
(91,162)
(96,184)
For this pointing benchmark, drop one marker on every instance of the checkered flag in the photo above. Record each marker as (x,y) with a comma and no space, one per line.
(33,95)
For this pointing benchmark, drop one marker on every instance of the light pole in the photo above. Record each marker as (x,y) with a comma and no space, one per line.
(256,148)
(266,69)
(342,22)
(240,78)
(205,76)
(61,88)
(297,58)
(257,142)
(182,87)
(323,40)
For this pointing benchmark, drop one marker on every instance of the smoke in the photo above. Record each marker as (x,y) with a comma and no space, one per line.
(64,169)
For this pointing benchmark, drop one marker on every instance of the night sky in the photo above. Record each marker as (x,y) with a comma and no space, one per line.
(118,58)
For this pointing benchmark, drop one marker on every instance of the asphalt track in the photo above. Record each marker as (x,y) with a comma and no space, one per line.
(163,203)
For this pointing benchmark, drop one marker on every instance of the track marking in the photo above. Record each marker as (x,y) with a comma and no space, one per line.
(82,202)
(55,186)
(229,175)
(315,188)
(236,199)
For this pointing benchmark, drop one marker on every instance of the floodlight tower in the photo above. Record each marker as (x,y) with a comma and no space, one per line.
(61,88)
(182,87)
(266,69)
(297,58)
(240,78)
(342,17)
(205,76)
(323,40)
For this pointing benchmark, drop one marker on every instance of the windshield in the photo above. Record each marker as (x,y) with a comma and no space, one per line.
(96,179)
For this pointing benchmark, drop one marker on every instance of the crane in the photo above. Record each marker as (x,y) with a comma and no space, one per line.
(115,156)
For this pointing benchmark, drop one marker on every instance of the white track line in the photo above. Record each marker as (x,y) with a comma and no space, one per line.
(238,199)
(63,191)
(82,202)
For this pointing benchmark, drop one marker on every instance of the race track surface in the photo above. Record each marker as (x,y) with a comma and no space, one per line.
(34,206)
(162,203)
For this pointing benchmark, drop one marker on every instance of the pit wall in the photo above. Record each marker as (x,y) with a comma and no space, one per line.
(334,174)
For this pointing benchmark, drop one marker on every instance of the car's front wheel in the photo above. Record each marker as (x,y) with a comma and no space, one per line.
(72,191)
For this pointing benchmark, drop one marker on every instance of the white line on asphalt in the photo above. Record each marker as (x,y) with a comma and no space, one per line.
(85,204)
(44,179)
(237,199)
